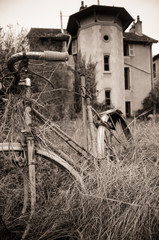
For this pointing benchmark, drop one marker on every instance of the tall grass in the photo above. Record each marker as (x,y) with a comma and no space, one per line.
(120,200)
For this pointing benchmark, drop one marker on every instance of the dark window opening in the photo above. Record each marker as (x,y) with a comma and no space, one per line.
(126,49)
(106,63)
(154,70)
(107,98)
(127,77)
(128,109)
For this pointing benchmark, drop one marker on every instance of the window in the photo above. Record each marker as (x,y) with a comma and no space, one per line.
(106,62)
(128,49)
(107,98)
(154,70)
(128,109)
(127,77)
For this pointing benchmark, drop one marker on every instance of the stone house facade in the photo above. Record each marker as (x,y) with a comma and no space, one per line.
(138,72)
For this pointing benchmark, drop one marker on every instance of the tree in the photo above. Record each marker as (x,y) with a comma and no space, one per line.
(12,40)
(151,102)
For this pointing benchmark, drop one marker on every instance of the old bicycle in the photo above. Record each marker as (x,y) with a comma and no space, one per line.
(28,146)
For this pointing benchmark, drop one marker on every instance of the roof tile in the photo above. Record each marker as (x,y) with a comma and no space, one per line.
(134,37)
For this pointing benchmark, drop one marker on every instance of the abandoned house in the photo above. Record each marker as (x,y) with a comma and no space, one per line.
(123,60)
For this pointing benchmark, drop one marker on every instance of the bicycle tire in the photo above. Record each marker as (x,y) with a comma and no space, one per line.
(48,155)
(113,136)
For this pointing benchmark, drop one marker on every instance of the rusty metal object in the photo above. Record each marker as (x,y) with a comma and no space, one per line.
(24,58)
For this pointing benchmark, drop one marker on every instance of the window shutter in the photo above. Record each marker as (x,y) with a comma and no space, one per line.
(131,50)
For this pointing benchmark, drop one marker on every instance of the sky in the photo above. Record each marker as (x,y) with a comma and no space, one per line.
(46,13)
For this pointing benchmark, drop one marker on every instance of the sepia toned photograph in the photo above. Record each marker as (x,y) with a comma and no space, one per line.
(79,120)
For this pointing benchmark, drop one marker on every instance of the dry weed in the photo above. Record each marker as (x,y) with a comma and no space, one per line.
(120,200)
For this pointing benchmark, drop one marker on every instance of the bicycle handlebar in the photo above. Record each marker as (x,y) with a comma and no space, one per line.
(46,55)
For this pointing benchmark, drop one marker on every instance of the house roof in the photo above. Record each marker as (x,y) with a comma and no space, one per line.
(118,12)
(156,57)
(42,33)
(134,37)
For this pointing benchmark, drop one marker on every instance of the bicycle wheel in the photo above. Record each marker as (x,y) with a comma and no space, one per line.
(47,155)
(113,134)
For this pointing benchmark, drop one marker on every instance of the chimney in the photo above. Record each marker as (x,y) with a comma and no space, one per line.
(82,6)
(138,26)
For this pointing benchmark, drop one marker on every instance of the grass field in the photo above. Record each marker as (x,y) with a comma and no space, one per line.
(120,200)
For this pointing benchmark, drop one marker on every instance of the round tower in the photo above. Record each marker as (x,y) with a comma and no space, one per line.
(99,33)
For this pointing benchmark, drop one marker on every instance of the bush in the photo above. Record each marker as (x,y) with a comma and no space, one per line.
(151,102)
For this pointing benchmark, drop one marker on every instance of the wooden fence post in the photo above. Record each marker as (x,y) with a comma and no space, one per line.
(84,110)
(91,127)
(88,118)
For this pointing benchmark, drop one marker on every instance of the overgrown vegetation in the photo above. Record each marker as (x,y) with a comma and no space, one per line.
(87,70)
(151,102)
(12,40)
(119,199)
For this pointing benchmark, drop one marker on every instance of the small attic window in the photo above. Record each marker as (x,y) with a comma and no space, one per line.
(106,37)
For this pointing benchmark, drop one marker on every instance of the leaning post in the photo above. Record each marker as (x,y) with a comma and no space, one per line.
(88,117)
(91,126)
(84,109)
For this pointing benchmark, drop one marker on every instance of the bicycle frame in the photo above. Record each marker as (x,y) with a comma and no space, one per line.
(29,146)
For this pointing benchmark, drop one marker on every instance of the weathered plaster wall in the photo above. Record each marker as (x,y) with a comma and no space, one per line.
(93,48)
(140,72)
